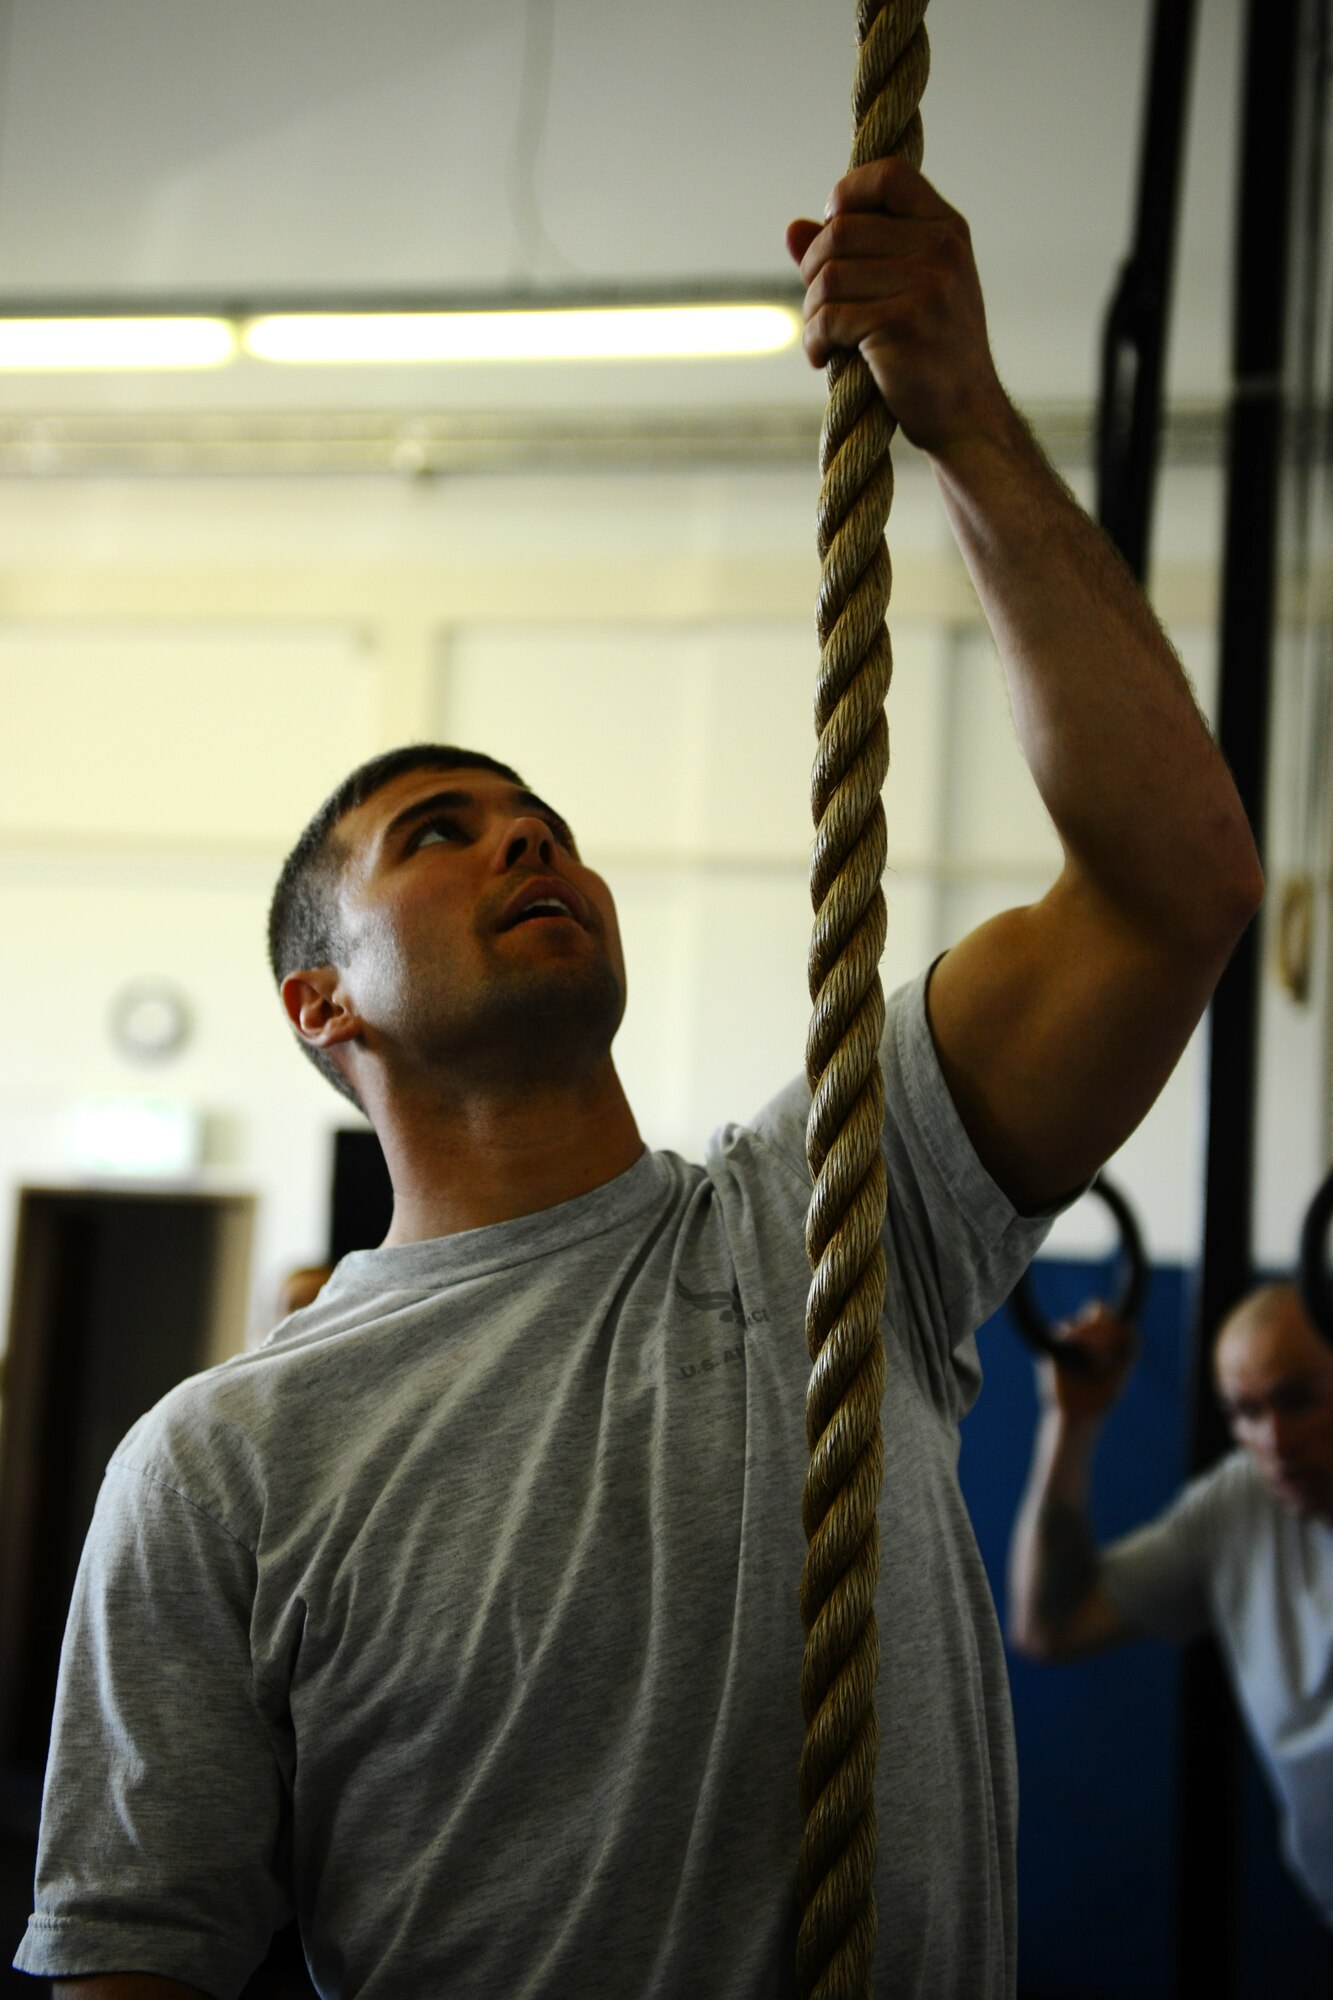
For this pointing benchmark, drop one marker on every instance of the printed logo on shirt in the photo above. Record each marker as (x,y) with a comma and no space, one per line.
(727,1305)
(730,1312)
(712,1362)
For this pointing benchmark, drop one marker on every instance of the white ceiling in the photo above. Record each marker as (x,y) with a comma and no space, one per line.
(269,146)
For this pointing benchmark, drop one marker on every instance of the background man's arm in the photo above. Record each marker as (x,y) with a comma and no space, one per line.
(1056,1024)
(1057,1607)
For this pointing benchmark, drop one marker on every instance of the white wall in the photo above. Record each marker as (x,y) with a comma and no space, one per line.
(187,667)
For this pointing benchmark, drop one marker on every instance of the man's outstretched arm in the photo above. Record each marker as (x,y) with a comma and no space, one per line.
(1056,1024)
(1058,1609)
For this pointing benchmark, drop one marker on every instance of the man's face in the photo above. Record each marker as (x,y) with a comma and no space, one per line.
(476,942)
(1275,1380)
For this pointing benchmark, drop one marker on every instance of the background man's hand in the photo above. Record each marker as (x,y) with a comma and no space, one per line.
(1108,1348)
(891,271)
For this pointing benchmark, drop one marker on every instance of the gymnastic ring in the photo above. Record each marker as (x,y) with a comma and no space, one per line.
(1131,1290)
(1316,1290)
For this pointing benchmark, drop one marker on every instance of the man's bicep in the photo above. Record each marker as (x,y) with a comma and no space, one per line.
(126,1986)
(1056,1027)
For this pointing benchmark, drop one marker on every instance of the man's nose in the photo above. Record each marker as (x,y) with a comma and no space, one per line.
(524,839)
(1264,1431)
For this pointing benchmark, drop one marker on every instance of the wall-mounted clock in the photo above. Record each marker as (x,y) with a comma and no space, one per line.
(150,1020)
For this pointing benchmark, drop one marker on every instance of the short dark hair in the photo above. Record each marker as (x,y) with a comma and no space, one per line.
(303,915)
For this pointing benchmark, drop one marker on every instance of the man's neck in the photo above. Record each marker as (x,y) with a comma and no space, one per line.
(466,1162)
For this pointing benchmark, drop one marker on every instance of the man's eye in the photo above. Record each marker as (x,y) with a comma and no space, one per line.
(438,829)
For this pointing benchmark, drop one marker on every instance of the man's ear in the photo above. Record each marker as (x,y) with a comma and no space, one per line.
(318,1009)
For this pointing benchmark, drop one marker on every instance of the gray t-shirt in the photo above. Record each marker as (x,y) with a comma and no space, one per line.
(1231,1558)
(462,1617)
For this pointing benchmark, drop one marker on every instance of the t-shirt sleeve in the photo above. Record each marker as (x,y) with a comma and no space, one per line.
(956,1245)
(950,1220)
(163,1816)
(1158,1577)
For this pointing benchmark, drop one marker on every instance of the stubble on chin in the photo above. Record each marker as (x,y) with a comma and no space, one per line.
(542,1023)
(573,1009)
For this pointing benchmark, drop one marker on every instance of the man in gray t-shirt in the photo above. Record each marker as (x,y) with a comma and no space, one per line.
(461,1620)
(1245,1552)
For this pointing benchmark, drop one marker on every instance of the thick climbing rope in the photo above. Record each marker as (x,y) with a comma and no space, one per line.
(836,1868)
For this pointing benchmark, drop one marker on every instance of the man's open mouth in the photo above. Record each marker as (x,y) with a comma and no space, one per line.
(544,902)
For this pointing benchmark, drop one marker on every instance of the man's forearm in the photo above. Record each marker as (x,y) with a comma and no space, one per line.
(1140,796)
(1053,1560)
(1066,1570)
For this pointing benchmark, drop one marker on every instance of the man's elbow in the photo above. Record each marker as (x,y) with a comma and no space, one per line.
(1031,1638)
(1062,1614)
(1243,893)
(1062,1633)
(1227,894)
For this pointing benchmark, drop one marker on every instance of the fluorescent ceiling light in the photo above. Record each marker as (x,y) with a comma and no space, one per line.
(115,343)
(612,333)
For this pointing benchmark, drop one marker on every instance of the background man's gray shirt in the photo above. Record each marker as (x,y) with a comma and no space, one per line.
(462,1617)
(1231,1558)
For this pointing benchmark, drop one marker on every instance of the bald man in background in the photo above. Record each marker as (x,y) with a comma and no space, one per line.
(1245,1552)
